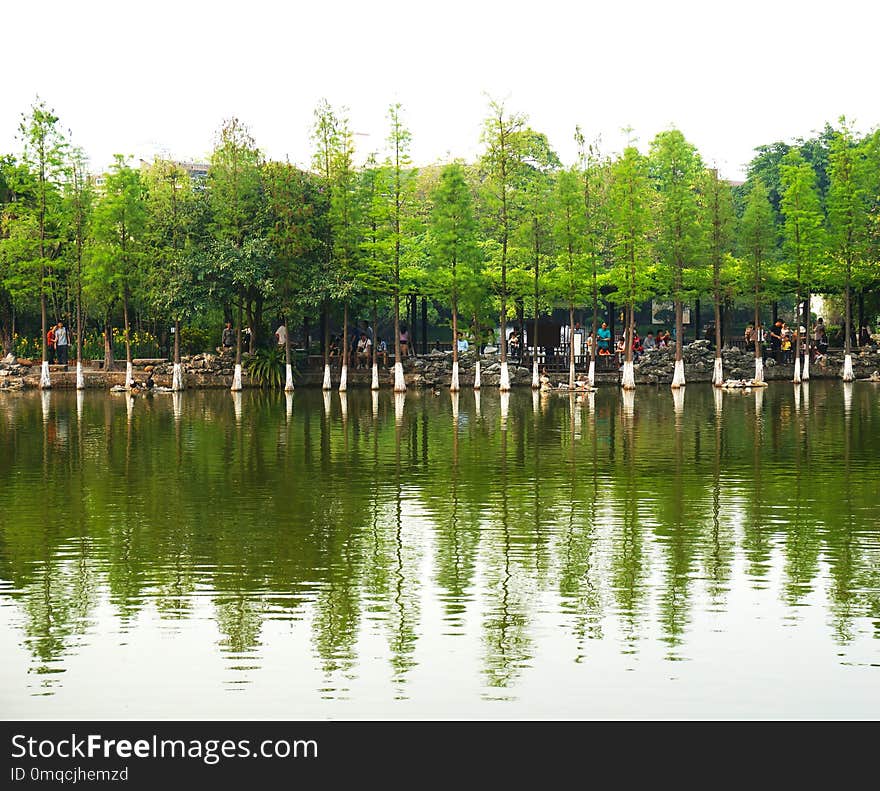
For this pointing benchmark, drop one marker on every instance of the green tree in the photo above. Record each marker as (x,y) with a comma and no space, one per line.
(453,243)
(236,197)
(676,168)
(630,205)
(718,221)
(119,225)
(757,239)
(39,220)
(569,275)
(847,224)
(79,200)
(502,137)
(803,239)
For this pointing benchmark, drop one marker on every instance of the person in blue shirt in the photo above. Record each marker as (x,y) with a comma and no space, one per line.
(462,343)
(604,339)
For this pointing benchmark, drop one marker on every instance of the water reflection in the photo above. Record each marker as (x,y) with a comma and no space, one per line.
(391,529)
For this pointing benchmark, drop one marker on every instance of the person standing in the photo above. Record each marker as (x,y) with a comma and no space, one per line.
(604,338)
(820,336)
(227,340)
(50,344)
(62,343)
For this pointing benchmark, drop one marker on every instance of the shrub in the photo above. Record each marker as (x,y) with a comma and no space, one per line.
(266,367)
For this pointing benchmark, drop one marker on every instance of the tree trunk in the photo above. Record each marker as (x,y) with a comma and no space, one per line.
(343,375)
(629,382)
(424,325)
(759,360)
(325,347)
(847,341)
(129,371)
(805,371)
(571,345)
(374,385)
(536,382)
(108,342)
(399,381)
(454,386)
(236,377)
(678,379)
(177,369)
(718,373)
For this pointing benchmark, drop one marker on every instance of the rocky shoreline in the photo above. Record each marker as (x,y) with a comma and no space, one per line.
(435,370)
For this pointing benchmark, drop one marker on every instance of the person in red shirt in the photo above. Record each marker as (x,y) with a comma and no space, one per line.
(50,345)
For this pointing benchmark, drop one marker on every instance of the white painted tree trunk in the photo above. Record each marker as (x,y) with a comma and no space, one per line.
(236,405)
(343,379)
(718,372)
(288,378)
(477,376)
(678,376)
(629,377)
(570,375)
(328,384)
(453,385)
(236,379)
(374,385)
(45,381)
(504,383)
(591,375)
(80,380)
(177,377)
(536,381)
(759,369)
(848,375)
(797,371)
(805,372)
(399,379)
(129,375)
(505,407)
(678,400)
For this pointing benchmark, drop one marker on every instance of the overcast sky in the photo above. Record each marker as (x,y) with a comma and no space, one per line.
(145,77)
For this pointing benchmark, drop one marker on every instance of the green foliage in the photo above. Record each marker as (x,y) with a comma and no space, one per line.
(266,366)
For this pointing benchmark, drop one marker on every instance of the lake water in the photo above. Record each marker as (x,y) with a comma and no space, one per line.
(206,555)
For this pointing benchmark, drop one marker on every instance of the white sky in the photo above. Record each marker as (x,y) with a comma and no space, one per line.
(137,78)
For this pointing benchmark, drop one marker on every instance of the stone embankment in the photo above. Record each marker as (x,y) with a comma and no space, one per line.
(435,370)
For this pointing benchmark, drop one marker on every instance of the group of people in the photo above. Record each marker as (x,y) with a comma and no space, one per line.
(58,344)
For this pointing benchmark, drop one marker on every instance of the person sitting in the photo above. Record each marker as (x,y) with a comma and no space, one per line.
(649,342)
(462,343)
(364,349)
(334,349)
(382,351)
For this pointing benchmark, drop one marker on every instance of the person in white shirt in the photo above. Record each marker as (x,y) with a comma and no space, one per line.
(364,350)
(281,334)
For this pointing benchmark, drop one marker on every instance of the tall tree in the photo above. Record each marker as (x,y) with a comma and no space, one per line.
(630,200)
(847,224)
(717,218)
(676,168)
(454,245)
(757,238)
(236,197)
(803,241)
(400,171)
(569,275)
(502,137)
(45,157)
(119,224)
(79,200)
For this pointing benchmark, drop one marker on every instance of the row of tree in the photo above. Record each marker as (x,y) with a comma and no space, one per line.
(515,230)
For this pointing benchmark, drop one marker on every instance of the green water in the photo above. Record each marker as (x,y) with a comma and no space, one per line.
(204,555)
